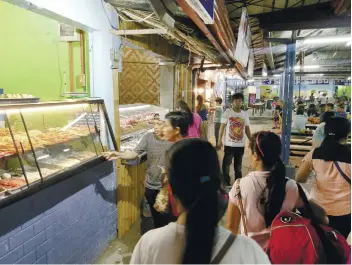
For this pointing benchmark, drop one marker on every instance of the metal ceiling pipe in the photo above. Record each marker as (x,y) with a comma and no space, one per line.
(200,24)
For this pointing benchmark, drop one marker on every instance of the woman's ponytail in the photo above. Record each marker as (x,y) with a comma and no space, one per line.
(194,175)
(201,223)
(267,146)
(276,185)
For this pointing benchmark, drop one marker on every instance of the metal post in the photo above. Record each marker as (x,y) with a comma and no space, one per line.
(282,84)
(288,100)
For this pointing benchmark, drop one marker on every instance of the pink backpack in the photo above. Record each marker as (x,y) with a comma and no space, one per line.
(298,240)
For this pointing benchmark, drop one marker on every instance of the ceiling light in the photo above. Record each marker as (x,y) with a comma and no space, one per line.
(277,75)
(332,39)
(348,78)
(265,74)
(250,80)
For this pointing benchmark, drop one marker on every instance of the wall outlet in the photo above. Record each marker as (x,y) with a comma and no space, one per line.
(81,80)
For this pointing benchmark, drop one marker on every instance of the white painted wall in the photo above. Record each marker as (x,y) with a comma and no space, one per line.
(90,16)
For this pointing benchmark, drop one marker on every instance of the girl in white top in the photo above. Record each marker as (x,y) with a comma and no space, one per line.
(193,171)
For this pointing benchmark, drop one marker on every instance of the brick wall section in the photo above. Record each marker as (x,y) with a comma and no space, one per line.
(70,222)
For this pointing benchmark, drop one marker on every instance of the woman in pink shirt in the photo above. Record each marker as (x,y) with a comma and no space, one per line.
(195,129)
(265,192)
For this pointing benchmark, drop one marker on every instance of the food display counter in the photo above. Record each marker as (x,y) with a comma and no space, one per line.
(135,121)
(44,140)
(55,186)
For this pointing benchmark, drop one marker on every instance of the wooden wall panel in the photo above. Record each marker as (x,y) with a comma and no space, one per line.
(140,78)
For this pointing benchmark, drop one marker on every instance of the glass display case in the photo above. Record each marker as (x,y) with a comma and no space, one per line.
(135,121)
(43,140)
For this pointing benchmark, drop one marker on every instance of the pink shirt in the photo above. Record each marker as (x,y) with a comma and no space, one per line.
(252,187)
(193,130)
(330,189)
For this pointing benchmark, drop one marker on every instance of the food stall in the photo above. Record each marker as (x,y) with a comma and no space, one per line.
(135,121)
(55,187)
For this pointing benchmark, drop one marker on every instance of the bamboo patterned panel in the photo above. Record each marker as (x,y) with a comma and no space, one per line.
(140,78)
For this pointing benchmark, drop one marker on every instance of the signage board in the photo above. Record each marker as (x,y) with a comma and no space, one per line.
(204,9)
(250,68)
(243,40)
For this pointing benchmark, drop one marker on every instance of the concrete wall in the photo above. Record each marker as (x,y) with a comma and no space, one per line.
(93,16)
(70,222)
(167,76)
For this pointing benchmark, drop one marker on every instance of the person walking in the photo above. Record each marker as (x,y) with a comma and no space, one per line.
(217,119)
(155,147)
(264,192)
(195,129)
(202,110)
(235,125)
(193,169)
(331,163)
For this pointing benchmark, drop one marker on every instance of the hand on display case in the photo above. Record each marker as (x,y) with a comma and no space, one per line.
(127,155)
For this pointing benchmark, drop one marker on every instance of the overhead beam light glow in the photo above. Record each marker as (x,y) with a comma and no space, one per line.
(326,40)
(297,67)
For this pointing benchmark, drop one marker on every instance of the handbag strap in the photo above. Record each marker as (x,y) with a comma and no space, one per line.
(240,202)
(223,250)
(342,173)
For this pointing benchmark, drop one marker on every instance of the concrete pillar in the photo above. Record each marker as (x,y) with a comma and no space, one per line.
(167,80)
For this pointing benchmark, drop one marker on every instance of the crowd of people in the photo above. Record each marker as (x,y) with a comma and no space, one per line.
(180,157)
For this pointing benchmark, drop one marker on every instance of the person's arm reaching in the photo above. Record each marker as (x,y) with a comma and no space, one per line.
(129,154)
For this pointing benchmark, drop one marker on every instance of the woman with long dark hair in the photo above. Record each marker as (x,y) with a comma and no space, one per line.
(193,170)
(265,192)
(332,165)
(195,129)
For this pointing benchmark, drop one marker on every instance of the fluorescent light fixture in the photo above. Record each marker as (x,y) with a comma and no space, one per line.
(250,80)
(321,74)
(297,67)
(277,75)
(327,40)
(334,54)
(42,157)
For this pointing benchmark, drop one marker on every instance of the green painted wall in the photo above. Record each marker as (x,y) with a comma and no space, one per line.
(32,58)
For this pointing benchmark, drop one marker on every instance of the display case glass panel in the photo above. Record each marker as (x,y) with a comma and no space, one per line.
(42,140)
(135,121)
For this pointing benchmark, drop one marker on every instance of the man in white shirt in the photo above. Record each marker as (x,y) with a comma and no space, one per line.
(235,123)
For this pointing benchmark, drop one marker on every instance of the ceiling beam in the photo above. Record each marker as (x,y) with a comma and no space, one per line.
(306,17)
(325,73)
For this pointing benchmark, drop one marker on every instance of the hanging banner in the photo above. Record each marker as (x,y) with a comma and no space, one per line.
(250,68)
(204,9)
(243,40)
(313,81)
(342,82)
